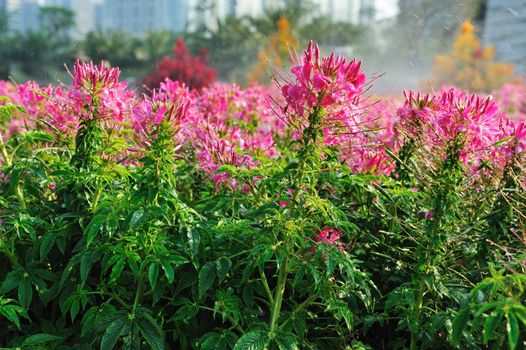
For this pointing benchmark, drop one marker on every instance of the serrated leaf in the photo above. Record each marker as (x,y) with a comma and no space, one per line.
(490,324)
(94,227)
(153,274)
(85,265)
(11,281)
(151,332)
(206,277)
(46,245)
(138,217)
(209,341)
(255,340)
(286,342)
(223,265)
(459,324)
(186,312)
(39,339)
(512,328)
(25,293)
(168,272)
(74,309)
(113,333)
(116,271)
(193,240)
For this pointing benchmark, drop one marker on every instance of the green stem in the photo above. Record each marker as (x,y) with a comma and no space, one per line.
(138,294)
(418,310)
(265,285)
(96,200)
(278,295)
(302,306)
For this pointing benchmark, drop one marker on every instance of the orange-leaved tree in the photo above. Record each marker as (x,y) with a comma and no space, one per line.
(471,66)
(275,53)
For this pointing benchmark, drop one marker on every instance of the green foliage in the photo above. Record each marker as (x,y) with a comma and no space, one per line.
(144,255)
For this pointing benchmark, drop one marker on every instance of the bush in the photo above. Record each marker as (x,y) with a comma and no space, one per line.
(213,219)
(191,70)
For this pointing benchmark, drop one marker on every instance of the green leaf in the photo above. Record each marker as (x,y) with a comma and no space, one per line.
(116,271)
(168,271)
(39,339)
(47,243)
(193,240)
(490,324)
(85,265)
(153,274)
(459,324)
(114,331)
(209,341)
(25,293)
(94,227)
(74,310)
(512,328)
(138,217)
(152,332)
(255,340)
(186,312)
(206,277)
(11,281)
(223,265)
(286,342)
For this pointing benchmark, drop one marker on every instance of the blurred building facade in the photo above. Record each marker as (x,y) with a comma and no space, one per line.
(504,28)
(137,17)
(23,15)
(85,12)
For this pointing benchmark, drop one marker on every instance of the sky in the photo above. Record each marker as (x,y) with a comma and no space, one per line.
(386,8)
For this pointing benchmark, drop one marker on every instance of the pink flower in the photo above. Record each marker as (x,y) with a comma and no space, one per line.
(429,214)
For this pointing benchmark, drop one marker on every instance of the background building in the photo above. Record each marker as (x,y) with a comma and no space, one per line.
(505,29)
(138,17)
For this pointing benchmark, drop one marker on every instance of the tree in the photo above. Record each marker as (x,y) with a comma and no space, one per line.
(183,67)
(57,21)
(471,66)
(326,32)
(426,25)
(276,52)
(118,48)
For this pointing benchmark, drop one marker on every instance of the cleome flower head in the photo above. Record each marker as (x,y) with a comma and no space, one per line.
(93,78)
(323,81)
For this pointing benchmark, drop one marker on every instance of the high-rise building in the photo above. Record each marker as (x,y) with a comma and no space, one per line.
(84,11)
(22,14)
(139,17)
(504,29)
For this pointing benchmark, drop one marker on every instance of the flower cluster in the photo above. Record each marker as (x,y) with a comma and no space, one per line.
(323,81)
(472,122)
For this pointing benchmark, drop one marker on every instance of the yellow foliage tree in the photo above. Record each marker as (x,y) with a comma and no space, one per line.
(471,66)
(275,53)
